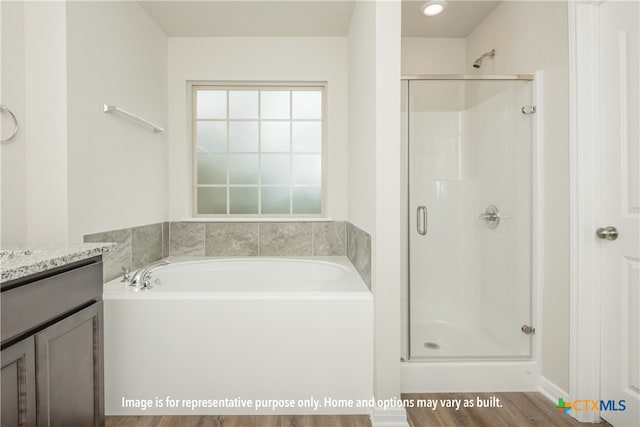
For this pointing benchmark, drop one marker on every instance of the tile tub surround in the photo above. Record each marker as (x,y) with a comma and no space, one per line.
(258,238)
(359,251)
(165,239)
(136,247)
(24,262)
(146,245)
(186,239)
(329,238)
(232,239)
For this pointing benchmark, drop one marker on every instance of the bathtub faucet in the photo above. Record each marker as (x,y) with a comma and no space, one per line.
(142,278)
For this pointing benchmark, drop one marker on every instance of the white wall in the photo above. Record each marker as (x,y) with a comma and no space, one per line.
(531,36)
(257,59)
(14,156)
(374,171)
(73,169)
(45,122)
(362,113)
(433,55)
(117,168)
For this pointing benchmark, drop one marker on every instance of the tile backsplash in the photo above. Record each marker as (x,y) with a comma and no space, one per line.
(141,245)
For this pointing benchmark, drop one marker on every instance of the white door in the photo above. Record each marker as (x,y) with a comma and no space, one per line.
(620,208)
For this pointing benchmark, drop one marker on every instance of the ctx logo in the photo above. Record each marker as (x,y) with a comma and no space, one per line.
(591,405)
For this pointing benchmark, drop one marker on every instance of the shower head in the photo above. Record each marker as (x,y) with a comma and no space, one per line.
(478,62)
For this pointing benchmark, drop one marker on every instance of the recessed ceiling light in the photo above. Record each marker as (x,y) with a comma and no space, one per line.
(433,7)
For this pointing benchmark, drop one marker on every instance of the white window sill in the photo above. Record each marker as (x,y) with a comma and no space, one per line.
(257,219)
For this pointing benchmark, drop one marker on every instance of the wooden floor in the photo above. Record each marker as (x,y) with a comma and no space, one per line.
(243,421)
(518,410)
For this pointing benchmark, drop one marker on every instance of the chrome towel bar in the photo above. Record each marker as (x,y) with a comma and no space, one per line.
(113,108)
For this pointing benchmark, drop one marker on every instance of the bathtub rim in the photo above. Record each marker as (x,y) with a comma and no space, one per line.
(342,262)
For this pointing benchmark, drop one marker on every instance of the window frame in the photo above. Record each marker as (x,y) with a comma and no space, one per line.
(194,86)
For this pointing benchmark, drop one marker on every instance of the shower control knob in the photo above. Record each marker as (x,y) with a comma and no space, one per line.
(607,233)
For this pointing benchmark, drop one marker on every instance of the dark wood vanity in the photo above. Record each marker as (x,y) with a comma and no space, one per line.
(52,347)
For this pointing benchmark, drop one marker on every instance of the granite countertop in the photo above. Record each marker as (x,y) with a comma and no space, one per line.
(22,262)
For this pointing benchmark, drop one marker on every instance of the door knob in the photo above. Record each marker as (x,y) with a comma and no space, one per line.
(608,233)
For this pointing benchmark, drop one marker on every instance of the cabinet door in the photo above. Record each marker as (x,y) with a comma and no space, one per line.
(18,385)
(69,375)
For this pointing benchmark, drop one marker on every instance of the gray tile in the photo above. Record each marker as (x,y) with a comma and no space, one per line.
(165,239)
(329,238)
(186,239)
(231,239)
(146,245)
(117,258)
(285,239)
(359,251)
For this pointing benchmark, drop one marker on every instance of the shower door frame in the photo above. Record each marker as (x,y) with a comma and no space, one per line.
(537,242)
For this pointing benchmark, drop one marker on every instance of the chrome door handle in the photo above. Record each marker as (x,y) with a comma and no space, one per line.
(607,233)
(421,218)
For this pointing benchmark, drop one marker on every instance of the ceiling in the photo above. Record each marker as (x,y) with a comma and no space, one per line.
(458,20)
(300,18)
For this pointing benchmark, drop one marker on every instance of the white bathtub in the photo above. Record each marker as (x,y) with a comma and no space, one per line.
(246,330)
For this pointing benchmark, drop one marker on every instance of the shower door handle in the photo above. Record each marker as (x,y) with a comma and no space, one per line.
(421,218)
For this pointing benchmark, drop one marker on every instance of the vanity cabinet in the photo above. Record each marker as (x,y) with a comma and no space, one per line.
(19,384)
(52,348)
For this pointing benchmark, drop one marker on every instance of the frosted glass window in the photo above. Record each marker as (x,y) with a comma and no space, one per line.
(243,200)
(276,200)
(275,169)
(307,104)
(243,169)
(275,136)
(212,200)
(211,104)
(307,136)
(307,200)
(212,169)
(307,169)
(243,136)
(258,149)
(243,104)
(211,137)
(275,104)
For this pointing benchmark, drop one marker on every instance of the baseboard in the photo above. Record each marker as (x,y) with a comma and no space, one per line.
(389,417)
(552,391)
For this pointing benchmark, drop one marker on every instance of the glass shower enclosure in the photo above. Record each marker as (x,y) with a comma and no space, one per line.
(469,151)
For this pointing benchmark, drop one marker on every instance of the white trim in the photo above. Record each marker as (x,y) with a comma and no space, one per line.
(470,377)
(552,391)
(390,417)
(259,219)
(584,286)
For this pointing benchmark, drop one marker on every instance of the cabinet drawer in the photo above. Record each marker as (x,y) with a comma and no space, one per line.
(25,307)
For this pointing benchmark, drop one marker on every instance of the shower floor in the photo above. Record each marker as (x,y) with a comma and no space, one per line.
(440,338)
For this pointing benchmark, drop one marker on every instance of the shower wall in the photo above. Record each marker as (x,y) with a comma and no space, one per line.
(441,156)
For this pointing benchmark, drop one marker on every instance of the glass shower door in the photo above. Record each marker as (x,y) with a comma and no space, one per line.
(470,192)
